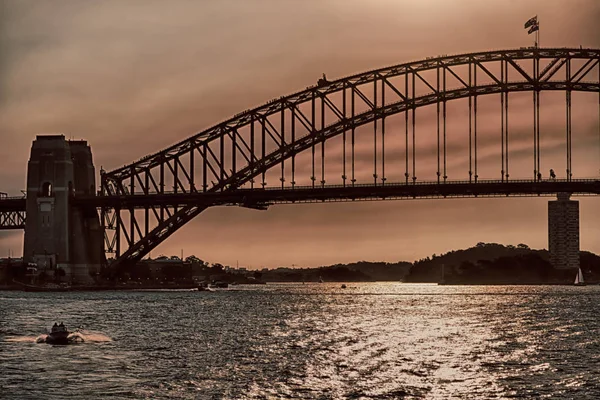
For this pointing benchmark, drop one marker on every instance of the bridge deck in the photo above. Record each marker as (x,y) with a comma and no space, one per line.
(333,193)
(12,204)
(261,197)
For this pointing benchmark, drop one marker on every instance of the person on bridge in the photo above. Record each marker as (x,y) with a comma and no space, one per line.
(552,174)
(323,81)
(539,176)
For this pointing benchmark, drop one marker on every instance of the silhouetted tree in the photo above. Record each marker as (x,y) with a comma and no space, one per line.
(193,259)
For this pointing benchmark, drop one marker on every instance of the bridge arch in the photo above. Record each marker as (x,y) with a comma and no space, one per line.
(157,172)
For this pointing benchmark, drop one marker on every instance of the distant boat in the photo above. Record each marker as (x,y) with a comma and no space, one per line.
(321,279)
(579,278)
(343,286)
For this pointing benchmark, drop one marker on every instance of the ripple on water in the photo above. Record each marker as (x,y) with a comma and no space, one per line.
(380,340)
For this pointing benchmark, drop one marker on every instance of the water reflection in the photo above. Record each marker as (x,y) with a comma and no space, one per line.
(383,340)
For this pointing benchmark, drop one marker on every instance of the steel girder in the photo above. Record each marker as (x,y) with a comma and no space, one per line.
(12,220)
(12,212)
(233,153)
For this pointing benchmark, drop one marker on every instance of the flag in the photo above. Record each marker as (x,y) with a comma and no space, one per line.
(532,21)
(534,28)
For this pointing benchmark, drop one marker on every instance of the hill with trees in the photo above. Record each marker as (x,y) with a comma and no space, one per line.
(492,263)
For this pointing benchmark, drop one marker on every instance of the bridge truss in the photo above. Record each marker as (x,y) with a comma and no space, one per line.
(287,138)
(12,212)
(12,219)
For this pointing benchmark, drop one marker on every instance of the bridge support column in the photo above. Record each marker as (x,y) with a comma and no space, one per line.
(65,242)
(563,232)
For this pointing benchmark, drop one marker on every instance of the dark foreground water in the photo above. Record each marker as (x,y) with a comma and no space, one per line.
(383,341)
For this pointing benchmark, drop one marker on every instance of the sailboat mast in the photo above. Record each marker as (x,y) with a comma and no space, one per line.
(579,277)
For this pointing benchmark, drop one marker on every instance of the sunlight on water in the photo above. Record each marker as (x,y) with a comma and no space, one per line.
(368,341)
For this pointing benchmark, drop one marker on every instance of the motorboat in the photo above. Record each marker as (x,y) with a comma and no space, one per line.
(58,335)
(218,285)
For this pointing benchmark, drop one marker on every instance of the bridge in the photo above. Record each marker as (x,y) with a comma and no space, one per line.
(348,139)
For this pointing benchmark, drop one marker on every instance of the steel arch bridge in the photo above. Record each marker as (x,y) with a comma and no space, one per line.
(145,202)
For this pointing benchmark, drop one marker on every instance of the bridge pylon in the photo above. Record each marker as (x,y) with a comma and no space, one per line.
(64,241)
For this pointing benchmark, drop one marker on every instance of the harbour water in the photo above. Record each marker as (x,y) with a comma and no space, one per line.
(313,341)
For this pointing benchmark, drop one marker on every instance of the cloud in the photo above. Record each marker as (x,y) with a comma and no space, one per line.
(134,77)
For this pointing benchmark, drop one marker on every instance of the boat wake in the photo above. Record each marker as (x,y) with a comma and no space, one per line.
(23,339)
(79,336)
(91,336)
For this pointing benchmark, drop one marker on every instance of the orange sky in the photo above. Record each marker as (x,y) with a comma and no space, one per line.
(132,77)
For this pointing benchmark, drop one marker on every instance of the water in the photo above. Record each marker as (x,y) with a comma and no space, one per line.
(314,341)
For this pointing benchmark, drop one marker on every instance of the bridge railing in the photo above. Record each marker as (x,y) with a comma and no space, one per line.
(5,196)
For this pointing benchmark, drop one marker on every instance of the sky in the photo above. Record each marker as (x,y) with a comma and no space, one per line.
(132,77)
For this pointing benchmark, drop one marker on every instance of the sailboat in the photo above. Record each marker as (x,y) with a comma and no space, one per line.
(579,278)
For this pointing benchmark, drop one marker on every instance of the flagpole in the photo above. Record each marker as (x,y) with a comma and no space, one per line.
(534,26)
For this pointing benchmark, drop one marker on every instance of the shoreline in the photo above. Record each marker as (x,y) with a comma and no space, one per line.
(106,288)
(91,288)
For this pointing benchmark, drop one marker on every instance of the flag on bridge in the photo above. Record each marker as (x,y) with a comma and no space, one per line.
(532,21)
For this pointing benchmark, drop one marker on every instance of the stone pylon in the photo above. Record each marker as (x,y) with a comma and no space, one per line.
(57,234)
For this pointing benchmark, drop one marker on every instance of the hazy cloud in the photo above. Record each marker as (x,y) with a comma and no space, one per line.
(133,77)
